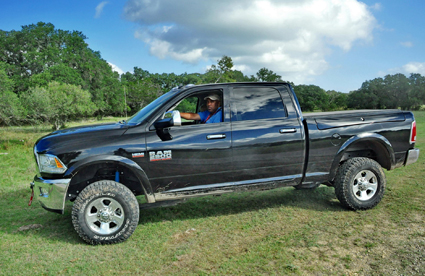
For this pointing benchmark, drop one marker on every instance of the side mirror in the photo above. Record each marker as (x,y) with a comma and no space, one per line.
(174,119)
(177,119)
(162,126)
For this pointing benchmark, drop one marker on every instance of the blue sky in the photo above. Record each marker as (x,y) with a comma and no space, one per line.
(335,44)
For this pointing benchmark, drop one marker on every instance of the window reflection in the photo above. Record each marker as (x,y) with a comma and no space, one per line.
(256,103)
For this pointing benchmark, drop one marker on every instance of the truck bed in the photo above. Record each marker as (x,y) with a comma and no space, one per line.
(328,120)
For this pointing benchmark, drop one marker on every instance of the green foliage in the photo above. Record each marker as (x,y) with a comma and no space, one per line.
(140,93)
(188,105)
(57,103)
(60,73)
(39,54)
(38,47)
(266,75)
(392,91)
(336,100)
(312,97)
(11,111)
(108,94)
(55,55)
(220,72)
(10,107)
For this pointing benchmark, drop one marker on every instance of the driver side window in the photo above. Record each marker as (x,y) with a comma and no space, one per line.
(196,103)
(189,104)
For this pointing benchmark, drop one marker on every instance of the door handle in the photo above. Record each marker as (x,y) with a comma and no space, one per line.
(216,136)
(287,130)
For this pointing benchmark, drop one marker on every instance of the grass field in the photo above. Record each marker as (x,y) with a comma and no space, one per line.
(280,232)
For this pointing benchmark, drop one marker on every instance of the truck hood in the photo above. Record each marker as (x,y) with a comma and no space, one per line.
(79,137)
(89,128)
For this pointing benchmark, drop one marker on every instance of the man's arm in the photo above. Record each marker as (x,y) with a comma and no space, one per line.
(190,116)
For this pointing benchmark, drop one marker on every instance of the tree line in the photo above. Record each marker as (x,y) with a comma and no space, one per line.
(48,75)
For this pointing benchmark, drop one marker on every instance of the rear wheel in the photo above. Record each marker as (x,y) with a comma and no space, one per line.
(360,183)
(105,212)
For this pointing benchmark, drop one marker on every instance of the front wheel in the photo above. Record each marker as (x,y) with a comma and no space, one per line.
(360,183)
(105,212)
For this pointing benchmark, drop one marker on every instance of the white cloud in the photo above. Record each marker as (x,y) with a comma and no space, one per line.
(292,38)
(407,44)
(407,69)
(414,67)
(376,6)
(99,9)
(116,68)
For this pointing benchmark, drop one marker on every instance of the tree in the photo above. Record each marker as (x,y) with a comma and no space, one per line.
(238,76)
(10,107)
(336,100)
(311,97)
(39,54)
(57,103)
(266,75)
(36,48)
(361,99)
(220,72)
(392,91)
(60,73)
(397,90)
(194,78)
(140,89)
(417,83)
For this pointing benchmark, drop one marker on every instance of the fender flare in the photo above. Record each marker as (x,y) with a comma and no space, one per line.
(376,139)
(119,160)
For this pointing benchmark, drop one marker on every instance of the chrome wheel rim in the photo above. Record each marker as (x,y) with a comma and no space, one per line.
(104,216)
(365,185)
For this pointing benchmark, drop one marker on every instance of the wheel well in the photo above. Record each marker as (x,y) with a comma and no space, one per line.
(370,149)
(103,171)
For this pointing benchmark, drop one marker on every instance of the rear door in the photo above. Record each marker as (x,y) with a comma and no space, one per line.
(267,136)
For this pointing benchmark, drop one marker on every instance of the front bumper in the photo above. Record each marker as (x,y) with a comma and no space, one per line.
(51,193)
(412,156)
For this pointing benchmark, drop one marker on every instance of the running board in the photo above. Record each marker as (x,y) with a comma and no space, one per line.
(168,203)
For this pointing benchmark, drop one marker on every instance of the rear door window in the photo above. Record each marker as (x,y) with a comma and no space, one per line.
(254,103)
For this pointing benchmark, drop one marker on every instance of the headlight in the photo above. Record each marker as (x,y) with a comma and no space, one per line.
(50,164)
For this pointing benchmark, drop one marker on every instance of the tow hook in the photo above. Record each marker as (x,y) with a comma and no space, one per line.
(32,193)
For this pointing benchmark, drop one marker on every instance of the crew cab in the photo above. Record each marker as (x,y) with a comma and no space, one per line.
(262,142)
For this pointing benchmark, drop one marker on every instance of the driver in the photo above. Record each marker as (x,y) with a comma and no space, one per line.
(213,114)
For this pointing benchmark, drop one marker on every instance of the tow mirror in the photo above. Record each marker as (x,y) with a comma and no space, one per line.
(162,126)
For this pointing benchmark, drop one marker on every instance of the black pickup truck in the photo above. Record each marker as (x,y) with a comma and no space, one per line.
(262,141)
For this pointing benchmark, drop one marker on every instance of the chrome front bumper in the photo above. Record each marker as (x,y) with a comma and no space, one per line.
(51,193)
(412,156)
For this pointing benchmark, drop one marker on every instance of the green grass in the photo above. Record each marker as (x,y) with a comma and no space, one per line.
(280,232)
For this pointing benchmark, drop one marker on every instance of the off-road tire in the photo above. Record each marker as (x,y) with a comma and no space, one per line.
(360,183)
(105,212)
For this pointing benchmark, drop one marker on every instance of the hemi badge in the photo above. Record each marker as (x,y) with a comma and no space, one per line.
(138,154)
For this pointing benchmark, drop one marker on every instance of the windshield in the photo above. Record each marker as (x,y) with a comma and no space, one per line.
(143,114)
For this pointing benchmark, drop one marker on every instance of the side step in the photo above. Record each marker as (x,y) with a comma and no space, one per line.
(165,203)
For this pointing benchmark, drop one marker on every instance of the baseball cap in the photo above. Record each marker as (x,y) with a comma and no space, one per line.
(213,97)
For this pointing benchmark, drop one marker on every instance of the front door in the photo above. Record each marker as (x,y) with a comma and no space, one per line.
(197,155)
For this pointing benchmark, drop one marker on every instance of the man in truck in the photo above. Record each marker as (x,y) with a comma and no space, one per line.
(213,114)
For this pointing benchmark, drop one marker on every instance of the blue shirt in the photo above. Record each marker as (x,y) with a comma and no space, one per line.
(215,118)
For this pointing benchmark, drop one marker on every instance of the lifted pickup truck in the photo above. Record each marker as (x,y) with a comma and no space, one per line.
(262,141)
